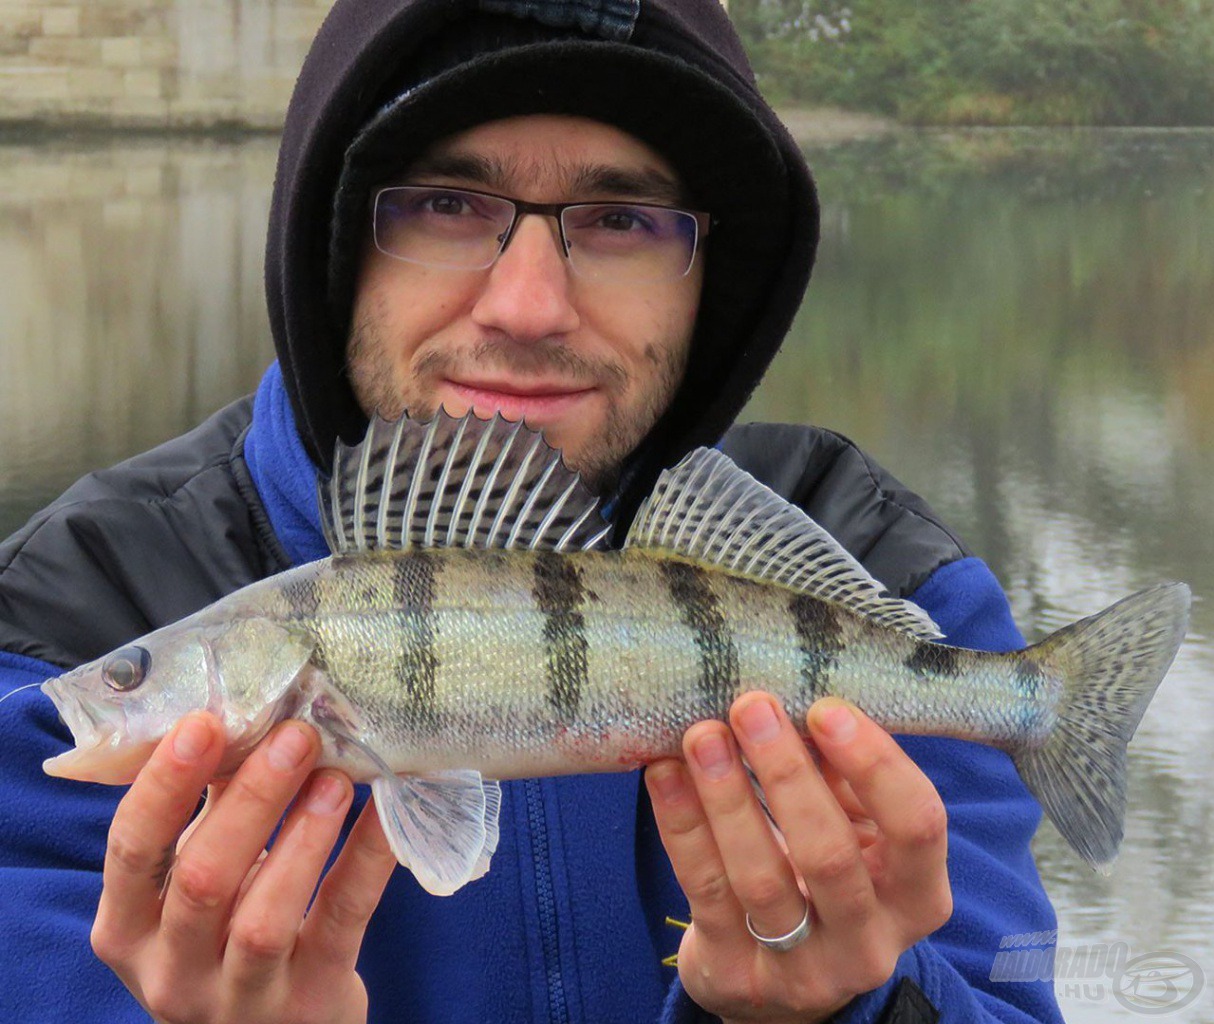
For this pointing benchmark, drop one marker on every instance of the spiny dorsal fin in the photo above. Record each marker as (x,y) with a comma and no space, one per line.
(456,482)
(710,510)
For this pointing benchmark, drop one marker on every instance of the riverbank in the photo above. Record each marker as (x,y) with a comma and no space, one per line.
(826,125)
(1011,62)
(814,125)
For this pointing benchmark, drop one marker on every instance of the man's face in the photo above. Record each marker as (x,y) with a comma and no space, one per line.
(591,363)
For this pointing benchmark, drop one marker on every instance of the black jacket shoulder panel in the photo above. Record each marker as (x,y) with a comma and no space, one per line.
(128,549)
(890,529)
(132,548)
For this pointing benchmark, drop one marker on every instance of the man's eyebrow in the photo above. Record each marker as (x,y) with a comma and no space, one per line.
(469,167)
(593,181)
(642,184)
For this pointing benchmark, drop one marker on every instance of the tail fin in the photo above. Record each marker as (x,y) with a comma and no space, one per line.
(1111,665)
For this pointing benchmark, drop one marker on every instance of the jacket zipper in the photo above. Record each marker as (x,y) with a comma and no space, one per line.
(558,1004)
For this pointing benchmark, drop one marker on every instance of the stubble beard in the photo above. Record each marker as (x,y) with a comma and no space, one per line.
(633,406)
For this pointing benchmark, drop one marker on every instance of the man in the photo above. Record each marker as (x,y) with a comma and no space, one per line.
(410,109)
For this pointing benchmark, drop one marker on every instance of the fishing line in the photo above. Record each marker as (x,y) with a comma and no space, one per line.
(27,686)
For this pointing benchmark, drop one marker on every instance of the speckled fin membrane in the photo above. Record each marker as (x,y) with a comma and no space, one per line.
(709,510)
(456,482)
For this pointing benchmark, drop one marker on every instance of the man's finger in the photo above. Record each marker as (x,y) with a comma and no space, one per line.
(842,790)
(143,835)
(333,931)
(267,925)
(756,864)
(893,790)
(819,835)
(693,851)
(212,865)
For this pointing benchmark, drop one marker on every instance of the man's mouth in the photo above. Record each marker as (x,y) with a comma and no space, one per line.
(537,401)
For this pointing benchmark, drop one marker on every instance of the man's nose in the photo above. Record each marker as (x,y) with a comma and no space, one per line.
(528,292)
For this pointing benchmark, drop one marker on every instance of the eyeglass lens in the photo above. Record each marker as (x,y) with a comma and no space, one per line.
(442,227)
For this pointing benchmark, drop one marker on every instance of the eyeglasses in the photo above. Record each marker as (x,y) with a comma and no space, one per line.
(467,230)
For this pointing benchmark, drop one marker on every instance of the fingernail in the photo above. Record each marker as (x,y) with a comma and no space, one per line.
(327,795)
(837,721)
(669,783)
(713,756)
(288,748)
(192,739)
(758,721)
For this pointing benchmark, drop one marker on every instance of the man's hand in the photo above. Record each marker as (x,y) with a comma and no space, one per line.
(213,928)
(863,839)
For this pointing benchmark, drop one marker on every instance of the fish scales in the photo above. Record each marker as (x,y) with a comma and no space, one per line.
(522,663)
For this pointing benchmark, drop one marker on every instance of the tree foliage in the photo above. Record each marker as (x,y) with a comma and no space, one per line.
(989,61)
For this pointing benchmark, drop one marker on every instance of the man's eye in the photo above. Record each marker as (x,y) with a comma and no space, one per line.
(621,220)
(447,205)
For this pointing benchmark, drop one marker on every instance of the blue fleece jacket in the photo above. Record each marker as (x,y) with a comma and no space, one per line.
(570,923)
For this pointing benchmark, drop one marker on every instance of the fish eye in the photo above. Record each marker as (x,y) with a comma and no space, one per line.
(126,669)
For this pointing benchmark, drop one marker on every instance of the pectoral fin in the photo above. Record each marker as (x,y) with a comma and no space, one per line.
(443,827)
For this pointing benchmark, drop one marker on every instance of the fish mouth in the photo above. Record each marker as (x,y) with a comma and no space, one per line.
(103,753)
(83,725)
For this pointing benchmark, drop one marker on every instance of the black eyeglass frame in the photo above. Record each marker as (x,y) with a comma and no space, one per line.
(704,222)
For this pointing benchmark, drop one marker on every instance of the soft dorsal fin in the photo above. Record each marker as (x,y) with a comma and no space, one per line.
(456,482)
(710,510)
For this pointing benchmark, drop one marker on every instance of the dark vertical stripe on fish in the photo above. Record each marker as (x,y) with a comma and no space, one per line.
(720,677)
(818,639)
(1029,674)
(1036,709)
(931,659)
(559,593)
(414,582)
(303,597)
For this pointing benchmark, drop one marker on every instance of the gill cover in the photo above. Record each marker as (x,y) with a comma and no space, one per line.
(251,665)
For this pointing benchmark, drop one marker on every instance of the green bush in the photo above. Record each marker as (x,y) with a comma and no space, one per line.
(989,61)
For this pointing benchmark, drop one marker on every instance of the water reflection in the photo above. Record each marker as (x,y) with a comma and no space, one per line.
(131,304)
(1021,324)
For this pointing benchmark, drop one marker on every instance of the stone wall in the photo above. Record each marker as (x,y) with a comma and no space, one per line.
(153,63)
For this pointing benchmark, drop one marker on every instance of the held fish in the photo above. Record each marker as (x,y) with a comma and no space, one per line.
(471,626)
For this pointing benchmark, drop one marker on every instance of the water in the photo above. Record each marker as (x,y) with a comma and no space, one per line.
(1020,324)
(131,303)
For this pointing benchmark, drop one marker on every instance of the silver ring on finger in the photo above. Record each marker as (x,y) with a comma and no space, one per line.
(782,943)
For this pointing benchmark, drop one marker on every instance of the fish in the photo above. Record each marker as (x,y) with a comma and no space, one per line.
(473,624)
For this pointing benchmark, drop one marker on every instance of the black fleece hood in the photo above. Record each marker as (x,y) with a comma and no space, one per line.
(387,78)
